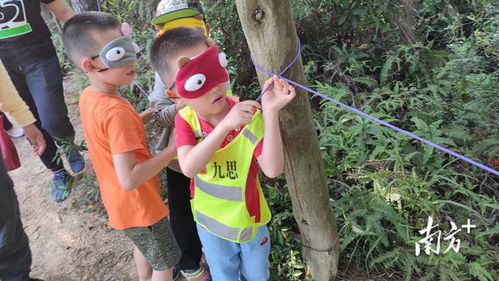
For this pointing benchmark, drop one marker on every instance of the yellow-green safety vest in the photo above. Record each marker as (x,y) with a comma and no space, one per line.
(219,203)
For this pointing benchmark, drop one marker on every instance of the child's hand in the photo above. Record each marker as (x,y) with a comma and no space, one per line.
(147,115)
(240,114)
(278,96)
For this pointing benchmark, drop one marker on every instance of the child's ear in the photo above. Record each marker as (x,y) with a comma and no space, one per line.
(182,61)
(208,28)
(210,42)
(87,65)
(170,94)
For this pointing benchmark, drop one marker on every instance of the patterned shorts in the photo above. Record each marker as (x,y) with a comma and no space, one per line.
(157,244)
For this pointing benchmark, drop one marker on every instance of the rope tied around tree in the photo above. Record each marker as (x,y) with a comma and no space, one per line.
(363,114)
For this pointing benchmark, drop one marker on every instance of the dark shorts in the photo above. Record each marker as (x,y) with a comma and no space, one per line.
(156,243)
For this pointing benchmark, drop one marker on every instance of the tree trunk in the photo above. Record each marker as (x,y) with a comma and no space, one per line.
(270,31)
(406,20)
(80,6)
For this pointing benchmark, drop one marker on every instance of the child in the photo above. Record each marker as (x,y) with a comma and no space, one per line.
(171,14)
(219,142)
(125,170)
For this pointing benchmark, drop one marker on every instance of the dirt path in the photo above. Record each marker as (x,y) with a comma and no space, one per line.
(68,240)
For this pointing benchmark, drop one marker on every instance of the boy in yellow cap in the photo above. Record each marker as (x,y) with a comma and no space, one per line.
(177,13)
(171,14)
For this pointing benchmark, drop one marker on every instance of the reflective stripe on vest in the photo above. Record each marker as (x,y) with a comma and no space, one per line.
(220,191)
(232,233)
(247,133)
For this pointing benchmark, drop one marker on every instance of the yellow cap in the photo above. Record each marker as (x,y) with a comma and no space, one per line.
(187,22)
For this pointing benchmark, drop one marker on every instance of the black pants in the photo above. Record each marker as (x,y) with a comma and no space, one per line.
(39,84)
(15,255)
(181,220)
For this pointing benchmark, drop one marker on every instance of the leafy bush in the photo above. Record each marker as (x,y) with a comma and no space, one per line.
(385,184)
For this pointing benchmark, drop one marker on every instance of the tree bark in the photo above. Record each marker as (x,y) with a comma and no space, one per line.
(270,31)
(80,6)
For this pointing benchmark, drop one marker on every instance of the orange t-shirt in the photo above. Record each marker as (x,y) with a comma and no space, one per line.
(112,126)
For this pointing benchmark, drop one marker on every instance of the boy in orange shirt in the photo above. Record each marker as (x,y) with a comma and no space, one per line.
(125,169)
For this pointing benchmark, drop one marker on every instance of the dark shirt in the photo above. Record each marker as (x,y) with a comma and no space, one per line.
(24,35)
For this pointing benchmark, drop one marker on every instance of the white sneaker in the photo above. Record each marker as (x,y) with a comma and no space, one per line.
(16,132)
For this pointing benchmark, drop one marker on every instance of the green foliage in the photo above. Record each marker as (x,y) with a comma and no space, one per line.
(226,30)
(285,256)
(90,201)
(386,184)
(65,146)
(137,13)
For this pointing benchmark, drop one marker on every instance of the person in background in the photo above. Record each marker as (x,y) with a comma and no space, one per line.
(29,56)
(15,254)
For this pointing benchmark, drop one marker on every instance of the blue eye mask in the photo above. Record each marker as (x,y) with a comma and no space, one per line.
(119,52)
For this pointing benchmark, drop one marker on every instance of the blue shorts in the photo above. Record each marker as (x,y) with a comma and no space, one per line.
(229,261)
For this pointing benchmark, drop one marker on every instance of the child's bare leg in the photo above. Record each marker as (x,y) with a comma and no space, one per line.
(144,269)
(166,275)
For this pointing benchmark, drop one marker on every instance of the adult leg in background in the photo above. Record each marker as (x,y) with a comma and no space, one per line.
(44,80)
(61,180)
(17,76)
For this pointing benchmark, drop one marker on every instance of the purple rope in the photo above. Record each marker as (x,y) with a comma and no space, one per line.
(98,6)
(141,89)
(374,118)
(298,53)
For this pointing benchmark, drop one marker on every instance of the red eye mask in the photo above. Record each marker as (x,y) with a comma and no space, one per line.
(202,73)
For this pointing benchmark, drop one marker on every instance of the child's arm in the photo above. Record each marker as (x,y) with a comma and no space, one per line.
(193,158)
(166,107)
(132,174)
(272,158)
